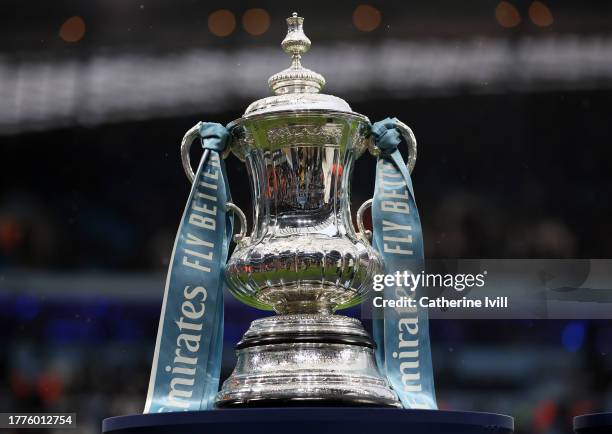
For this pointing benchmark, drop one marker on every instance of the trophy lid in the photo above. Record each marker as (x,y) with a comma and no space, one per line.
(296,78)
(297,87)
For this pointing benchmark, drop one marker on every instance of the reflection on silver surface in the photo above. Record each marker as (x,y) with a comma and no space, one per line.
(303,254)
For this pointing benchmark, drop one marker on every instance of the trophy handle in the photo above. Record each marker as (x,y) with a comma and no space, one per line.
(411,142)
(240,237)
(188,138)
(364,233)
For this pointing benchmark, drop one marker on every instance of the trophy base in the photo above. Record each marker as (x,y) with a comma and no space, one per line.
(311,420)
(281,402)
(306,360)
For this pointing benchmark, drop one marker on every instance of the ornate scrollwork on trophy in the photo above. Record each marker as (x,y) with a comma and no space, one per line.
(317,135)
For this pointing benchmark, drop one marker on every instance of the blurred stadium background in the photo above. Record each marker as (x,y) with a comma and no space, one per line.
(510,102)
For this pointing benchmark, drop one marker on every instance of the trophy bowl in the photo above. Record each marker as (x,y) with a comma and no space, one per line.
(303,255)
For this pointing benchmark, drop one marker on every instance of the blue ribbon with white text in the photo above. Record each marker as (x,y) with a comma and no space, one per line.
(401,334)
(187,359)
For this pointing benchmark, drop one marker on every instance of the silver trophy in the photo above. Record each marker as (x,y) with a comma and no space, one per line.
(303,259)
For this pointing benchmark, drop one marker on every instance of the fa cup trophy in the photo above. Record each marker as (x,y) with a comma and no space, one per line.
(303,259)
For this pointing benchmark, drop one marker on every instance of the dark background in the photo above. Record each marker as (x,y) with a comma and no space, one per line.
(509,102)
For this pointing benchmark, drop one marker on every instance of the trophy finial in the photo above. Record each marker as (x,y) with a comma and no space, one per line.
(296,42)
(296,78)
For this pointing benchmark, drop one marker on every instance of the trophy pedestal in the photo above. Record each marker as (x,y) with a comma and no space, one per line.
(311,420)
(306,360)
(597,423)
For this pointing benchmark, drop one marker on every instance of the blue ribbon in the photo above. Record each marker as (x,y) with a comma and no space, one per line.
(187,359)
(401,334)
